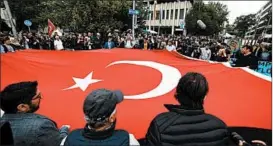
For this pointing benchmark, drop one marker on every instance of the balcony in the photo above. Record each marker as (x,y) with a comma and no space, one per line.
(266,13)
(266,8)
(261,22)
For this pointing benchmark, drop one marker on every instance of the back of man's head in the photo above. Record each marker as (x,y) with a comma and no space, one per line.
(191,90)
(100,108)
(17,93)
(248,47)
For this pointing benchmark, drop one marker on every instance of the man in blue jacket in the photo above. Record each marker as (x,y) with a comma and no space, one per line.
(109,45)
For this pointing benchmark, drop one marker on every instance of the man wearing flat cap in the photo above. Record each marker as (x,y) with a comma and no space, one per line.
(100,114)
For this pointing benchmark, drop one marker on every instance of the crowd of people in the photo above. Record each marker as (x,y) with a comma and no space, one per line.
(20,101)
(184,124)
(246,56)
(203,48)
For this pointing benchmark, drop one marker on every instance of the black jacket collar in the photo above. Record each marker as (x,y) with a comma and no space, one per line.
(183,110)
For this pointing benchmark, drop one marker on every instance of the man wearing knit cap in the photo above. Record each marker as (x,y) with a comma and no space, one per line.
(100,114)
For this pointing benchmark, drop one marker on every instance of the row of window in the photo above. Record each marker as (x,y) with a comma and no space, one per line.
(260,27)
(168,14)
(260,31)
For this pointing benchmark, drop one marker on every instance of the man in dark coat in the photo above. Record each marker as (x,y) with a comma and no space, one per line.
(187,124)
(248,59)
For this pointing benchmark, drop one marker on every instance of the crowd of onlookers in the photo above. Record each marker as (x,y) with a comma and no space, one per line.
(203,48)
(186,123)
(212,50)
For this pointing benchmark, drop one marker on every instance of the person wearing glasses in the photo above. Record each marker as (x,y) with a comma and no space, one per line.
(20,101)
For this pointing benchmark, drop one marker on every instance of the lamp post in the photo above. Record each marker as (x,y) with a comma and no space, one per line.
(154,16)
(133,20)
(10,18)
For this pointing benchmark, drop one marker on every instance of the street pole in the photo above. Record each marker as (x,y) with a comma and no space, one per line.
(185,11)
(10,18)
(133,20)
(136,21)
(154,14)
(173,7)
(160,19)
(149,15)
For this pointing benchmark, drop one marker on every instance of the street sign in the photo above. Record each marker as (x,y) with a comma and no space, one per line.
(28,23)
(133,12)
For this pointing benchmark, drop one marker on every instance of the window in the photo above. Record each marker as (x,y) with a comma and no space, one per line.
(163,14)
(269,30)
(171,14)
(176,14)
(181,14)
(157,15)
(167,15)
(267,40)
(152,15)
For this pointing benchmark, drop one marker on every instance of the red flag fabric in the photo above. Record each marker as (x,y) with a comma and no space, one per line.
(147,78)
(51,27)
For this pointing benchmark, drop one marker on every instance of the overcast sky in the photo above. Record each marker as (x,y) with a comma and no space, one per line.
(238,8)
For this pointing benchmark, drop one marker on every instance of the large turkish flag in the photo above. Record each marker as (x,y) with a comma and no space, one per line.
(147,78)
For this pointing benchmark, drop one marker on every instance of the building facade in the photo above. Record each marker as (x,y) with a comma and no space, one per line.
(263,28)
(167,17)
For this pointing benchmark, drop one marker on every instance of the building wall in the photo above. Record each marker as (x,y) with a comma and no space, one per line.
(172,14)
(261,25)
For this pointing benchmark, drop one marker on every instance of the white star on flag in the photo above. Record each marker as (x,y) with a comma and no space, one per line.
(83,83)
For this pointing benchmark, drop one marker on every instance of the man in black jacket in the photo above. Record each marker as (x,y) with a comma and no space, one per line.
(248,59)
(6,137)
(187,124)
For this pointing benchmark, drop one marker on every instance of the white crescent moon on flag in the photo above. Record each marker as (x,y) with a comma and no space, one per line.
(170,78)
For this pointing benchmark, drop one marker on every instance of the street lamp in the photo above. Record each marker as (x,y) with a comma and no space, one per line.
(133,20)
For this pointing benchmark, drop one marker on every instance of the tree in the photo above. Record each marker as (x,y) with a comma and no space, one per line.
(22,10)
(243,23)
(85,14)
(79,16)
(230,29)
(213,15)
